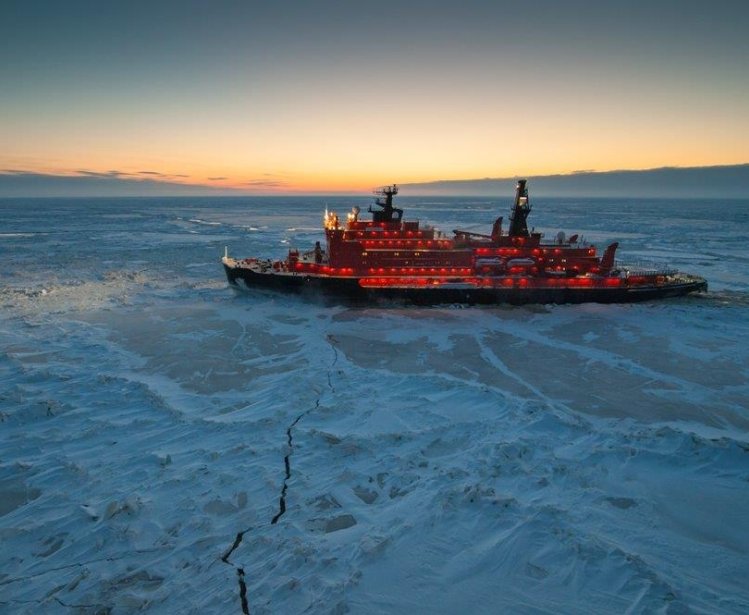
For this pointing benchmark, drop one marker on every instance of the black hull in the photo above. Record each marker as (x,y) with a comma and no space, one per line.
(349,289)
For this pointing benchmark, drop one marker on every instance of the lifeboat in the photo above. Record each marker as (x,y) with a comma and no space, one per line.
(387,257)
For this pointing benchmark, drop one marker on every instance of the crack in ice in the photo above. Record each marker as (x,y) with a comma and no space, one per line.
(287,463)
(76,606)
(75,565)
(284,488)
(243,591)
(290,437)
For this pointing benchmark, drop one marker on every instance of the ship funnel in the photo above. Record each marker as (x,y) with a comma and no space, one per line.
(607,260)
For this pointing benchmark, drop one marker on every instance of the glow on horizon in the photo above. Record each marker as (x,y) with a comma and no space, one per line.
(298,105)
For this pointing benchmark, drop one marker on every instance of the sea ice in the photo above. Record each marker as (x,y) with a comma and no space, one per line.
(169,445)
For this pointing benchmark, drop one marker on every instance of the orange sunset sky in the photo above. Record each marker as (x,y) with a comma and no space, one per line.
(341,96)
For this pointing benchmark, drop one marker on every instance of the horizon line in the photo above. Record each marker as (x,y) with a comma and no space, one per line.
(24,184)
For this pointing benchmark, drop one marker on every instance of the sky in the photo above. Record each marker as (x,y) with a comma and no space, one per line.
(328,95)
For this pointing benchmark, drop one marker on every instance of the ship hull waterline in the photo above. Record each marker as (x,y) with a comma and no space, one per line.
(343,288)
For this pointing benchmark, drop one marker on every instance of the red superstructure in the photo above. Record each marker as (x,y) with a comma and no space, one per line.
(388,250)
(393,257)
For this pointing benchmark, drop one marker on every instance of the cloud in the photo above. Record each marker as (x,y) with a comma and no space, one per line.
(16,183)
(216,179)
(265,183)
(113,173)
(137,176)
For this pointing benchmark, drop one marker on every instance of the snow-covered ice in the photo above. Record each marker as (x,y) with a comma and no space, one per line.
(170,445)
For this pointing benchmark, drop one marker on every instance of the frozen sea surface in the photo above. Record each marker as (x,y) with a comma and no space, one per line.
(169,445)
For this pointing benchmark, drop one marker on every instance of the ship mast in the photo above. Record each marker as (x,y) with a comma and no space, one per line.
(520,211)
(388,212)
